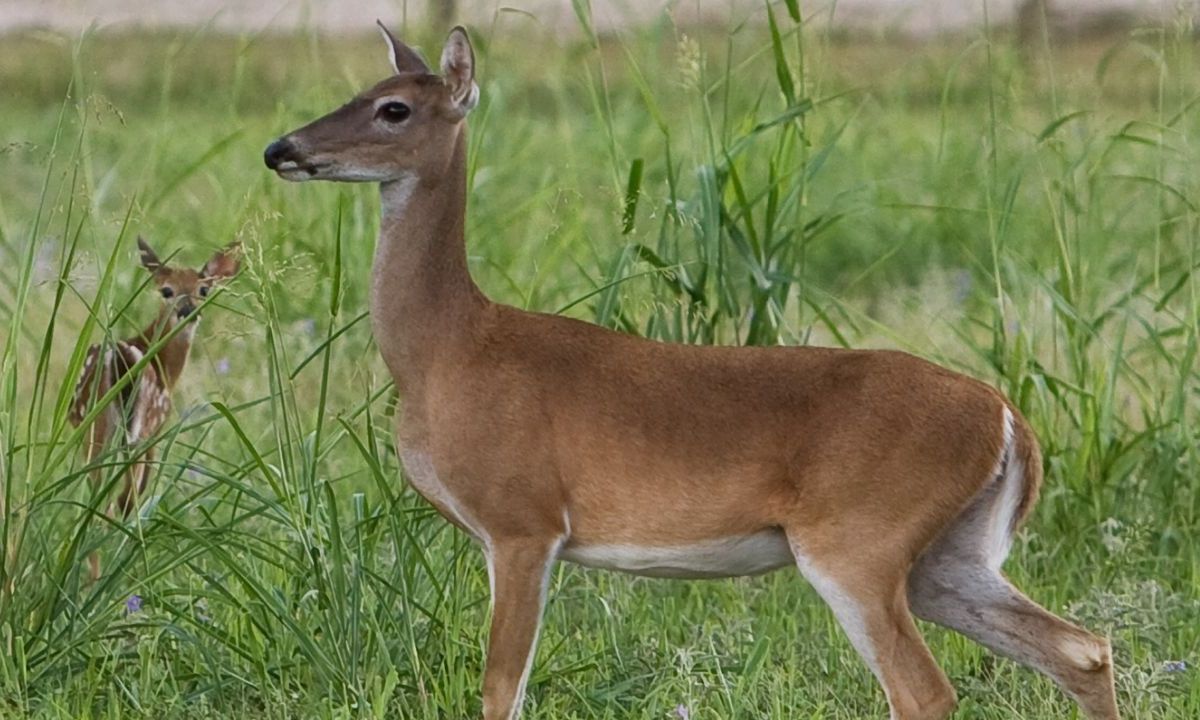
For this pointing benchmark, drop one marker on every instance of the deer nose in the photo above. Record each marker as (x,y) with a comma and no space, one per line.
(185,308)
(279,151)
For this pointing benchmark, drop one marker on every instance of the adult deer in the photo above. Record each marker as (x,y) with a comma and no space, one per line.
(893,484)
(135,416)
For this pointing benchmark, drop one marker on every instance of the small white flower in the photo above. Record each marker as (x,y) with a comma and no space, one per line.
(1111,535)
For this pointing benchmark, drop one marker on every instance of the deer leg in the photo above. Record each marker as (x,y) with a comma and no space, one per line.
(977,601)
(94,556)
(957,583)
(519,573)
(868,600)
(96,478)
(135,483)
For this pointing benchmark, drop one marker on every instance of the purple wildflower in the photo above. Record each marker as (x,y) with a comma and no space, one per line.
(133,604)
(223,366)
(963,284)
(681,712)
(1175,666)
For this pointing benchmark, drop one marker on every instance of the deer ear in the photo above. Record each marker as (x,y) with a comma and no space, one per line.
(404,59)
(225,263)
(458,70)
(150,260)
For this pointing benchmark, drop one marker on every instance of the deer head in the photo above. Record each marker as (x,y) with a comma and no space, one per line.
(402,127)
(183,290)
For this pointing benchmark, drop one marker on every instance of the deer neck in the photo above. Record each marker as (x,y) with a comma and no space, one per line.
(423,301)
(172,356)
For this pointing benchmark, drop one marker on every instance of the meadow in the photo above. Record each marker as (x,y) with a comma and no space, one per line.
(1027,215)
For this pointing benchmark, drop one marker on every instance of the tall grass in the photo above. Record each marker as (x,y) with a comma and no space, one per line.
(1029,219)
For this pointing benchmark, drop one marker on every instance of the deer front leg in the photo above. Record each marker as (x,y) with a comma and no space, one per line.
(135,484)
(519,572)
(92,450)
(96,479)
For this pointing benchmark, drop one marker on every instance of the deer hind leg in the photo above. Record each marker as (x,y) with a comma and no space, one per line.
(519,572)
(868,600)
(957,583)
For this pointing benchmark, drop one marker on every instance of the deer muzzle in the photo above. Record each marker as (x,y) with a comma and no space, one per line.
(285,158)
(280,152)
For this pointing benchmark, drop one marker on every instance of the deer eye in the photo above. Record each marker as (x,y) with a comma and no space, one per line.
(203,291)
(393,112)
(168,292)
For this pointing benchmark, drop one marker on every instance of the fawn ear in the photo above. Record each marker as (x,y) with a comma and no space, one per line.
(150,260)
(458,70)
(225,263)
(404,59)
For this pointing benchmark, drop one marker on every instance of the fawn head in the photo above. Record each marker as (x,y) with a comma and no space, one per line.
(404,126)
(183,290)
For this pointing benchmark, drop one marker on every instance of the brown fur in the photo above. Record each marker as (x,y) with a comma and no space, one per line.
(138,412)
(542,435)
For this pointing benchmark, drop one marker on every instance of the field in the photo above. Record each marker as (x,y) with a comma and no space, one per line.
(1029,216)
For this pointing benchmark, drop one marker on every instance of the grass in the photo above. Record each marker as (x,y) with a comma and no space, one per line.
(1028,218)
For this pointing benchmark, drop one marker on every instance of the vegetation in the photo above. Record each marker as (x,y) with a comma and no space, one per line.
(1030,218)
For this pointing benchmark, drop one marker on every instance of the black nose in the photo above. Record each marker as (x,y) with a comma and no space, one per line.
(184,309)
(279,151)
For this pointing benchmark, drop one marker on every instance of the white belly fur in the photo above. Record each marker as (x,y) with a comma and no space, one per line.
(725,557)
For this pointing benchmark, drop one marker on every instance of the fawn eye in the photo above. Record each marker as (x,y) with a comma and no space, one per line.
(168,292)
(203,291)
(393,112)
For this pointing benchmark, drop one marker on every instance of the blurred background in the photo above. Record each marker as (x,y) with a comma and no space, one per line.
(1007,188)
(920,18)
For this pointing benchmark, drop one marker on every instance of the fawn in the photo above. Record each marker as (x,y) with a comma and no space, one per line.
(138,412)
(894,485)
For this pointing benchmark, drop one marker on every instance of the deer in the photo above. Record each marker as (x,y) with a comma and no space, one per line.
(894,486)
(131,421)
